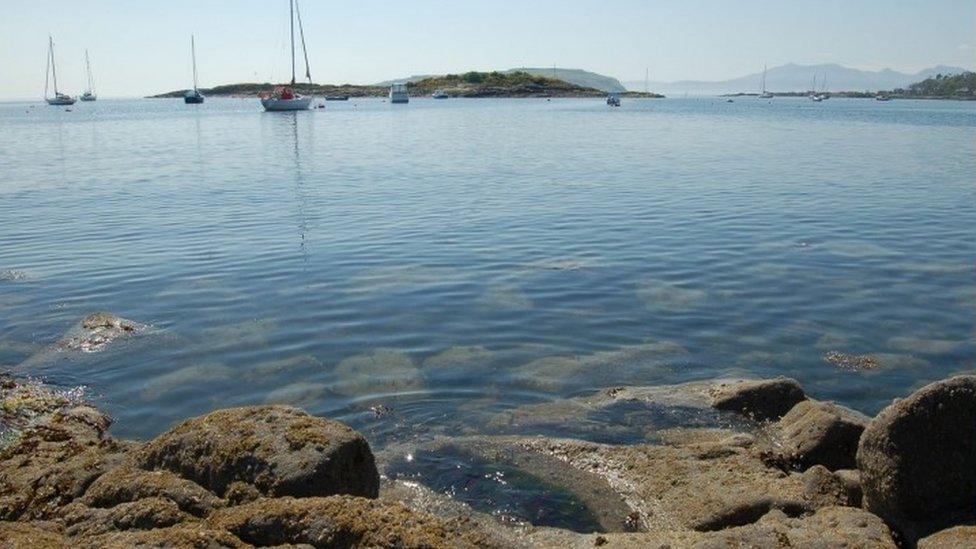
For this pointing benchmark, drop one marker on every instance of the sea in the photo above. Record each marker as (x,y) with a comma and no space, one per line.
(416,270)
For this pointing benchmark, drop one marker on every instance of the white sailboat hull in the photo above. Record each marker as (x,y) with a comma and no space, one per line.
(61,101)
(296,104)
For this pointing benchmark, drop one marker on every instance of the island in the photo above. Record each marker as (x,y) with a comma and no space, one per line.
(516,84)
(960,87)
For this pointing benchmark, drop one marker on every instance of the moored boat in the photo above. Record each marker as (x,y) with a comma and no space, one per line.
(285,98)
(439,94)
(613,100)
(89,94)
(398,93)
(193,97)
(52,72)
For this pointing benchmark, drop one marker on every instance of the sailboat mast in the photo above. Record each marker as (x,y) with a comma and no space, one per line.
(301,32)
(764,80)
(88,70)
(193,54)
(47,71)
(54,66)
(291,14)
(647,80)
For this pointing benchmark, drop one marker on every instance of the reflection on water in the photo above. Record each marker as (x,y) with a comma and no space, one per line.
(419,271)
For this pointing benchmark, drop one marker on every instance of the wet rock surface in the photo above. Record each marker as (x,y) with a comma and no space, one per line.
(917,459)
(951,538)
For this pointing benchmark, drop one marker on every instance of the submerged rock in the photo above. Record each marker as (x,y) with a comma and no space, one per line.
(378,372)
(92,334)
(761,400)
(820,433)
(280,451)
(917,459)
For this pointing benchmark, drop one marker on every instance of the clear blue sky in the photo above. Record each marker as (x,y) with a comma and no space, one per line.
(142,46)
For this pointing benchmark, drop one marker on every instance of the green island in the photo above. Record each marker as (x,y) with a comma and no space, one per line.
(470,84)
(961,87)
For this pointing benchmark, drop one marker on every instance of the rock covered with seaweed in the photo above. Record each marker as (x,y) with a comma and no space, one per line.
(764,465)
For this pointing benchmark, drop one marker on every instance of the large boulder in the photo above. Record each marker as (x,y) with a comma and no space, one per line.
(918,459)
(184,536)
(820,433)
(342,521)
(277,450)
(761,400)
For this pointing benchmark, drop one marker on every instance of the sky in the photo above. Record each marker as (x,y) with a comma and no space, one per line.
(141,47)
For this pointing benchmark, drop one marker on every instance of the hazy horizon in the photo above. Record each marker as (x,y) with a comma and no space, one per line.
(143,49)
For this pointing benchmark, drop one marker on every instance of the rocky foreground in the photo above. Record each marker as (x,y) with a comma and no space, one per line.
(784,471)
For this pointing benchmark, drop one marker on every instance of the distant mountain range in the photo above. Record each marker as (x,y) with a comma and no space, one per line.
(578,77)
(798,78)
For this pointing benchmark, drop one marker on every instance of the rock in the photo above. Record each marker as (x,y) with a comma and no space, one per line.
(144,514)
(98,330)
(829,527)
(828,488)
(279,450)
(917,459)
(30,535)
(126,484)
(342,521)
(184,536)
(953,538)
(53,461)
(761,400)
(820,433)
(702,486)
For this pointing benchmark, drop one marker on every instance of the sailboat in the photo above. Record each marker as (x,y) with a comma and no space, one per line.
(89,94)
(765,94)
(814,96)
(193,97)
(284,98)
(52,71)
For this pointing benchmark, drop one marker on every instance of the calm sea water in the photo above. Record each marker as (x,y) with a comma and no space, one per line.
(414,269)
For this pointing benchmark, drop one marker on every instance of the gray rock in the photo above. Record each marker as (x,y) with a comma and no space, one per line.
(281,451)
(761,400)
(820,433)
(918,459)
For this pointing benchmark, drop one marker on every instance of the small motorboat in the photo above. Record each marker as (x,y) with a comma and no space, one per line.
(882,97)
(613,100)
(398,93)
(337,97)
(439,94)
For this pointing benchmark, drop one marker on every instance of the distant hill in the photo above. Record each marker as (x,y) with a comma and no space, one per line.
(798,78)
(585,79)
(940,86)
(581,78)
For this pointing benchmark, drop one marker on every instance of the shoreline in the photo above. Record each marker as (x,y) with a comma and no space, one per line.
(764,464)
